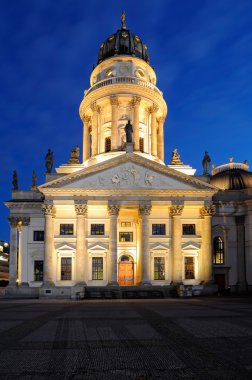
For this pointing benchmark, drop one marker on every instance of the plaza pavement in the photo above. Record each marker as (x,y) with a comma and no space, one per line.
(200,338)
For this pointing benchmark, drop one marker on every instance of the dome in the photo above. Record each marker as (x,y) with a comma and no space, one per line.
(123,42)
(232,179)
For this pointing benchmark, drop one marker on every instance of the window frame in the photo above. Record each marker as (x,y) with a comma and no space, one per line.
(160,272)
(187,276)
(156,232)
(42,232)
(130,233)
(38,277)
(185,233)
(97,269)
(67,276)
(220,250)
(94,231)
(64,230)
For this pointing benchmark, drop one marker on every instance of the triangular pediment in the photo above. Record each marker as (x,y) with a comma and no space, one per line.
(98,247)
(129,171)
(159,247)
(191,246)
(65,247)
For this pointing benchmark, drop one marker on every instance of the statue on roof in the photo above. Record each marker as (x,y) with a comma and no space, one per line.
(175,160)
(129,132)
(14,180)
(49,161)
(206,163)
(34,180)
(123,20)
(75,154)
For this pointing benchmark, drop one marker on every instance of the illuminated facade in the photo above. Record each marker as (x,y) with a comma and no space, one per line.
(121,216)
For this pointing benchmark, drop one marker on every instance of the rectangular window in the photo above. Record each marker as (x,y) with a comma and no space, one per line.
(158,229)
(66,268)
(125,236)
(125,224)
(141,145)
(38,270)
(66,229)
(97,229)
(189,268)
(159,268)
(38,235)
(97,268)
(188,229)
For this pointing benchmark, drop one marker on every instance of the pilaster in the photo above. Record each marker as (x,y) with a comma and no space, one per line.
(113,210)
(81,259)
(86,138)
(241,284)
(160,137)
(96,110)
(135,104)
(49,212)
(176,212)
(153,111)
(114,127)
(145,211)
(206,213)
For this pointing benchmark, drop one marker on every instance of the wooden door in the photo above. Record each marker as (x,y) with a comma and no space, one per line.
(126,274)
(220,280)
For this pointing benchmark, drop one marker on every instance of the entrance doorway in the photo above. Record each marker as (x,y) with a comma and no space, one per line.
(126,271)
(220,280)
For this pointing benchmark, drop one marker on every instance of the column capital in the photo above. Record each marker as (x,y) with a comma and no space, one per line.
(94,107)
(153,109)
(161,120)
(48,209)
(114,100)
(16,221)
(136,100)
(113,209)
(87,119)
(81,207)
(145,209)
(207,210)
(176,209)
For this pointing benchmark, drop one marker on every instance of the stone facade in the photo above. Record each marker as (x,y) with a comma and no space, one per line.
(122,217)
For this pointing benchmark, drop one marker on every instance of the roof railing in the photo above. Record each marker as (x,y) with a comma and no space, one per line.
(123,80)
(230,165)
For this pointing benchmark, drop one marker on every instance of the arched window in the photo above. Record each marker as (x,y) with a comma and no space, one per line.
(107,144)
(218,250)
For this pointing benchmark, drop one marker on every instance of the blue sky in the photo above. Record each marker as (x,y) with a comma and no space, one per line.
(201,51)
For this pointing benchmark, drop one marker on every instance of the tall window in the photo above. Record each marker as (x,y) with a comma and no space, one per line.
(97,268)
(107,144)
(125,236)
(158,229)
(97,229)
(218,250)
(66,268)
(188,229)
(141,144)
(66,229)
(38,270)
(38,235)
(159,268)
(189,268)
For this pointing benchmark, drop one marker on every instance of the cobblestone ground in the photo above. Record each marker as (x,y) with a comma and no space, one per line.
(208,338)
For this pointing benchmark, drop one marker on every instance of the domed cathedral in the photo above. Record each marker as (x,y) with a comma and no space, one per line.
(123,87)
(121,222)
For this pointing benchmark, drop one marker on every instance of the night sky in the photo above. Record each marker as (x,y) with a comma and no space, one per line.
(201,51)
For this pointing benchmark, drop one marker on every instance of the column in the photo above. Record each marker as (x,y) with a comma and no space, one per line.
(145,211)
(13,252)
(95,110)
(136,103)
(49,211)
(81,212)
(207,212)
(114,124)
(241,268)
(160,145)
(86,139)
(113,211)
(177,270)
(22,224)
(153,111)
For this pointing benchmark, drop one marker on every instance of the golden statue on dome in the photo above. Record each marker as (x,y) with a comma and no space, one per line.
(175,160)
(123,20)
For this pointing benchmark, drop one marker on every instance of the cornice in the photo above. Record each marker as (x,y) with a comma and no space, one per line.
(130,157)
(120,90)
(23,205)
